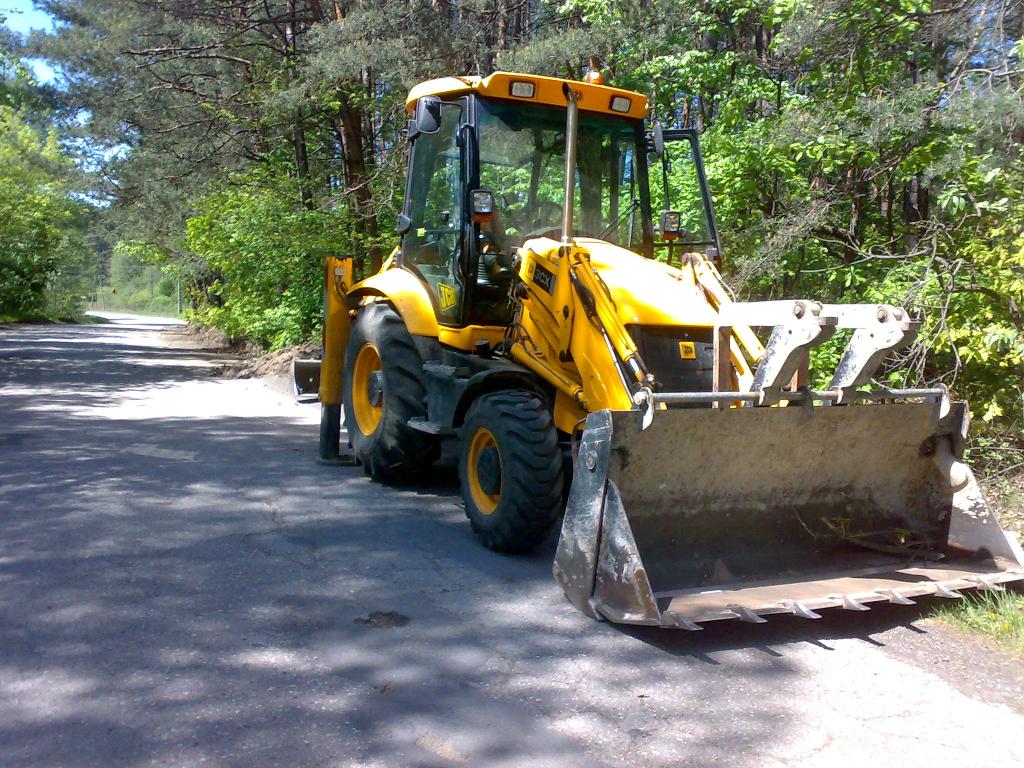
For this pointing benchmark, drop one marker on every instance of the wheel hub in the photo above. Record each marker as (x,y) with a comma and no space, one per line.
(488,471)
(375,388)
(367,389)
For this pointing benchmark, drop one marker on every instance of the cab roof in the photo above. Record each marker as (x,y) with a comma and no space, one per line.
(547,90)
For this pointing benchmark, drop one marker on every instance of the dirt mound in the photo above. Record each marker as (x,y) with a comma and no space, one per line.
(254,364)
(202,338)
(240,360)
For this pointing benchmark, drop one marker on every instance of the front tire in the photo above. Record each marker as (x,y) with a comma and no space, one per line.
(383,388)
(510,467)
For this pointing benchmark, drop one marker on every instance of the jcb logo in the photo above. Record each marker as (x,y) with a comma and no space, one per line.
(449,298)
(342,273)
(543,277)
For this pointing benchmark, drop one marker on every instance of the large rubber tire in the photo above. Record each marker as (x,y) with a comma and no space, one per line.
(388,449)
(518,511)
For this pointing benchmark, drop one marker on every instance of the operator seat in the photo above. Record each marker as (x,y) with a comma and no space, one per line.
(494,275)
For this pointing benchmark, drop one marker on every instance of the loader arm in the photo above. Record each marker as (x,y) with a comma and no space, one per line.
(710,280)
(598,311)
(565,328)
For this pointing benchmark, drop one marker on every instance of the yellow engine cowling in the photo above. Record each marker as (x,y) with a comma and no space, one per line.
(576,350)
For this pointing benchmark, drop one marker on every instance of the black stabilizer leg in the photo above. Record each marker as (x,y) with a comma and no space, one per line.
(330,436)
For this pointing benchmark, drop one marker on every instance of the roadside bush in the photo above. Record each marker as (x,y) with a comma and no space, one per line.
(45,264)
(264,253)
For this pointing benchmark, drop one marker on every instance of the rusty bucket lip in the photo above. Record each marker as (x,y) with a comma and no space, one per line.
(851,592)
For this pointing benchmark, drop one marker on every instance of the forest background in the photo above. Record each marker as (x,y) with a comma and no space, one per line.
(210,153)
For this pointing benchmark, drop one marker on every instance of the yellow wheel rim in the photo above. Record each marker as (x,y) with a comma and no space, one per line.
(482,440)
(367,413)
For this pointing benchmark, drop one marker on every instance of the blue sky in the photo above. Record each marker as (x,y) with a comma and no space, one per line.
(23,17)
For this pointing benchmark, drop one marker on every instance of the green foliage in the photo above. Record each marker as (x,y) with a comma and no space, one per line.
(265,254)
(136,284)
(1000,615)
(45,266)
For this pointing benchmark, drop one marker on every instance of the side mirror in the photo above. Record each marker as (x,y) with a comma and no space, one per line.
(658,139)
(426,117)
(482,205)
(671,225)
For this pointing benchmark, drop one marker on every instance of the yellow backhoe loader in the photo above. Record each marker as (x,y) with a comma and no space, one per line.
(586,356)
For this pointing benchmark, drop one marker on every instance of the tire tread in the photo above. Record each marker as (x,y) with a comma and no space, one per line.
(395,453)
(530,500)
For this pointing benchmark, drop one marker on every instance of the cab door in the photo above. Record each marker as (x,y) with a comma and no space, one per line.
(434,219)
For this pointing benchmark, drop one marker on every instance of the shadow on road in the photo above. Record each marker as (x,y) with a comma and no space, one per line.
(782,631)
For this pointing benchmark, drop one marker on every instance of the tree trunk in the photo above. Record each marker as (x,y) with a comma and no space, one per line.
(360,198)
(302,162)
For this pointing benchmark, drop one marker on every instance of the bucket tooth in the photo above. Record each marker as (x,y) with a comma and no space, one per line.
(684,623)
(987,583)
(745,614)
(801,610)
(850,604)
(941,590)
(895,597)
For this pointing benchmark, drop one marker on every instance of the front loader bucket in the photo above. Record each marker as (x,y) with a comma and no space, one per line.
(741,512)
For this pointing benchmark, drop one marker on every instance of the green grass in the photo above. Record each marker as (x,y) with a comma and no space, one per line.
(91,320)
(998,615)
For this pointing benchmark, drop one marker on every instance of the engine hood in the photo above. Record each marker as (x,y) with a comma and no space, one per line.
(645,291)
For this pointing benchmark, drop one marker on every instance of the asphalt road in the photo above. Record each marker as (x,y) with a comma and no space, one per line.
(181,584)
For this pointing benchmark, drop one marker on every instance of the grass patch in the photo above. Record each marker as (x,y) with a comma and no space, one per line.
(998,615)
(1006,494)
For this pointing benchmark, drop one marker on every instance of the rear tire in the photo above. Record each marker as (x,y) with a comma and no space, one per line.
(510,466)
(383,388)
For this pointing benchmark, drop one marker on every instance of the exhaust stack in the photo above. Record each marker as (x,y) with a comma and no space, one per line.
(572,119)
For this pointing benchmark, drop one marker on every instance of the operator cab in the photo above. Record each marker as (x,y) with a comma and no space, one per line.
(486,174)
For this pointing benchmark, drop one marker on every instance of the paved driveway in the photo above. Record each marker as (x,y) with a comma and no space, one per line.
(181,584)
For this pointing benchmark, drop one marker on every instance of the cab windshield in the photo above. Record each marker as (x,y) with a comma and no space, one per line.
(522,161)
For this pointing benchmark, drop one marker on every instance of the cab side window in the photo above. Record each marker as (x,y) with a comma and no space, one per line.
(434,240)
